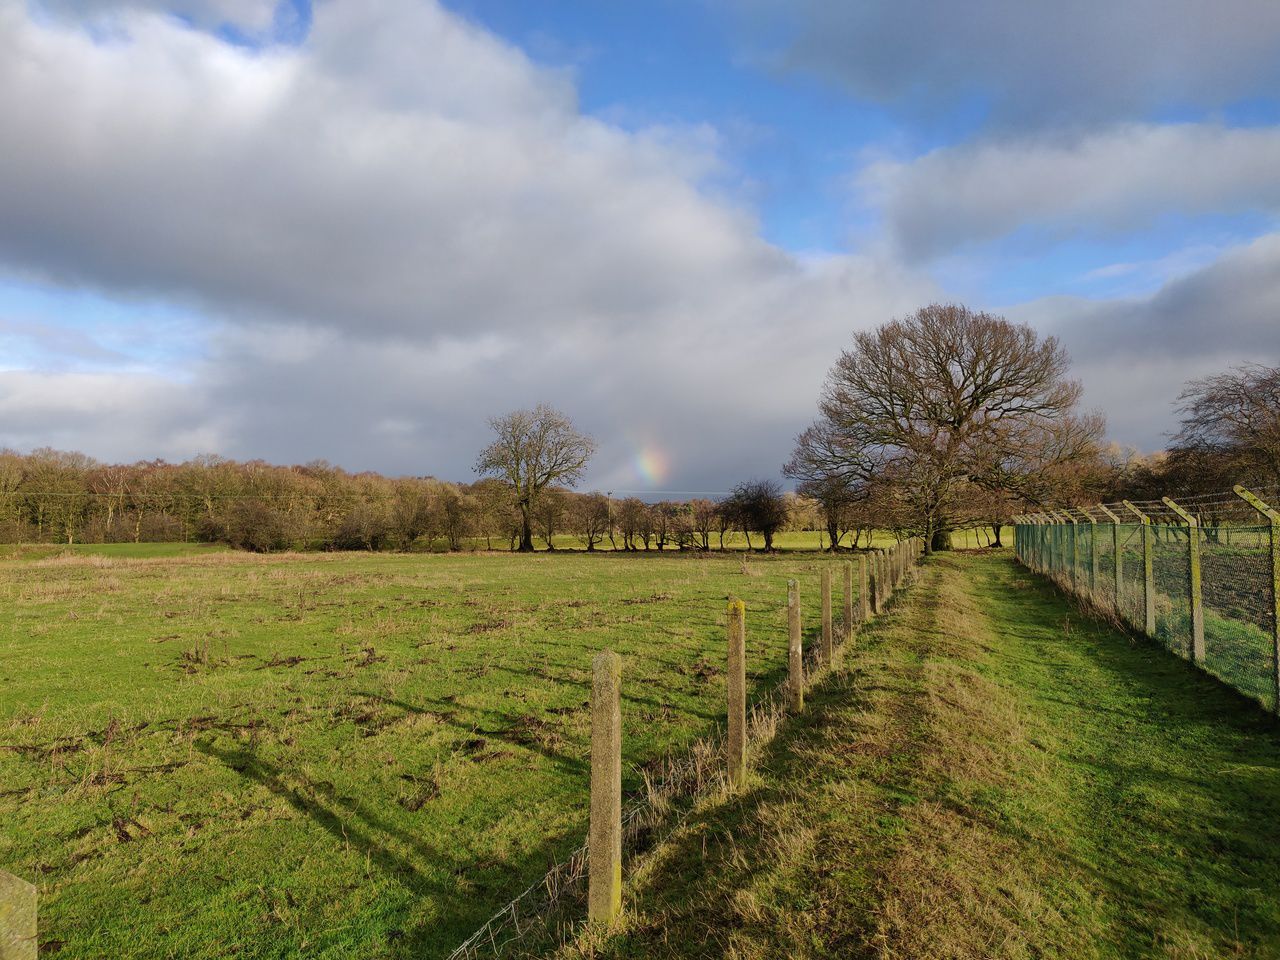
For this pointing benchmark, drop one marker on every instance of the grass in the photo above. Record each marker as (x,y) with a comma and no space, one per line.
(991,774)
(206,753)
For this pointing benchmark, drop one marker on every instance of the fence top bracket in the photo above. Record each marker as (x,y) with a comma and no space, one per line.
(1105,509)
(1253,500)
(1138,513)
(1187,517)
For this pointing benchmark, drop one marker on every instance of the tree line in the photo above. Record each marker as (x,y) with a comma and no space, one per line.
(53,496)
(941,421)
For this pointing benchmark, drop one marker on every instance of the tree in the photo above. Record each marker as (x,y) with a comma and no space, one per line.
(757,505)
(533,449)
(941,401)
(1231,424)
(593,518)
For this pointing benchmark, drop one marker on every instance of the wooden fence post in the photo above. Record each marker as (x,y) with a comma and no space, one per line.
(737,743)
(1117,561)
(864,589)
(848,600)
(827,650)
(17,918)
(1273,517)
(604,838)
(795,649)
(1148,571)
(874,582)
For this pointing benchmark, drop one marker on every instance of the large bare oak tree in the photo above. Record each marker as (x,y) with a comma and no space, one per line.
(942,402)
(532,450)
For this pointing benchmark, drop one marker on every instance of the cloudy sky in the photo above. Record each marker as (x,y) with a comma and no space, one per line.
(354,229)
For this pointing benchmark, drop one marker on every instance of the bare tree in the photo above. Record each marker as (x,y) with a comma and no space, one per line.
(941,400)
(533,449)
(1232,421)
(757,505)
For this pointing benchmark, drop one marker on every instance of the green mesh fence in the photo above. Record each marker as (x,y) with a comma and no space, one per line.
(1171,567)
(1132,610)
(1237,582)
(1235,565)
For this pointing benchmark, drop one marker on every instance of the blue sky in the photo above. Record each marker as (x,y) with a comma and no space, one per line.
(353,231)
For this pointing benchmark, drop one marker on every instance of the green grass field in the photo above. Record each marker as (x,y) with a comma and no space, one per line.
(206,753)
(990,775)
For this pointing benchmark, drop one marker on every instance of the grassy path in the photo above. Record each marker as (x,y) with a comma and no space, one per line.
(990,775)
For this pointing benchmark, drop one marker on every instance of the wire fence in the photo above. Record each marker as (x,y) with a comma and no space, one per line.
(1200,575)
(551,907)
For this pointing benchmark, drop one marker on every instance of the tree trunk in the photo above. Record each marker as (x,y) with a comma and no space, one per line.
(526,531)
(995,527)
(941,539)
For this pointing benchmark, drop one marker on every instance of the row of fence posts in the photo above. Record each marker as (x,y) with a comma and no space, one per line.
(879,574)
(1049,543)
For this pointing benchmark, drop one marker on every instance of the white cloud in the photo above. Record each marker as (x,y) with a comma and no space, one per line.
(1114,181)
(398,229)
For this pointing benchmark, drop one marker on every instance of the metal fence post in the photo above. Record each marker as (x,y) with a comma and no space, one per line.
(1273,516)
(1193,580)
(1148,571)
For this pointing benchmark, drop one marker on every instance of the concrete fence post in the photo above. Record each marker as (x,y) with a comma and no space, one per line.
(17,918)
(604,838)
(737,743)
(795,648)
(848,600)
(864,589)
(1273,518)
(1148,571)
(827,650)
(1117,560)
(1093,555)
(1193,579)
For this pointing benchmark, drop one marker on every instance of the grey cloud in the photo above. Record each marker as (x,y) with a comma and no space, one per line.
(1135,355)
(1036,64)
(1117,180)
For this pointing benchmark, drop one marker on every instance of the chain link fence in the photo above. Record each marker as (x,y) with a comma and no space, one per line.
(1198,574)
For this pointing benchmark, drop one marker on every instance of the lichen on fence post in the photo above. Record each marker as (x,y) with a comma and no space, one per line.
(17,918)
(828,642)
(1193,579)
(1273,519)
(604,837)
(736,744)
(795,649)
(1148,571)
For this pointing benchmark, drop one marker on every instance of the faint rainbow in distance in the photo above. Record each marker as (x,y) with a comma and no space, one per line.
(652,464)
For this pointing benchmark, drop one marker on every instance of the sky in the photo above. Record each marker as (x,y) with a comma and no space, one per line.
(355,230)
